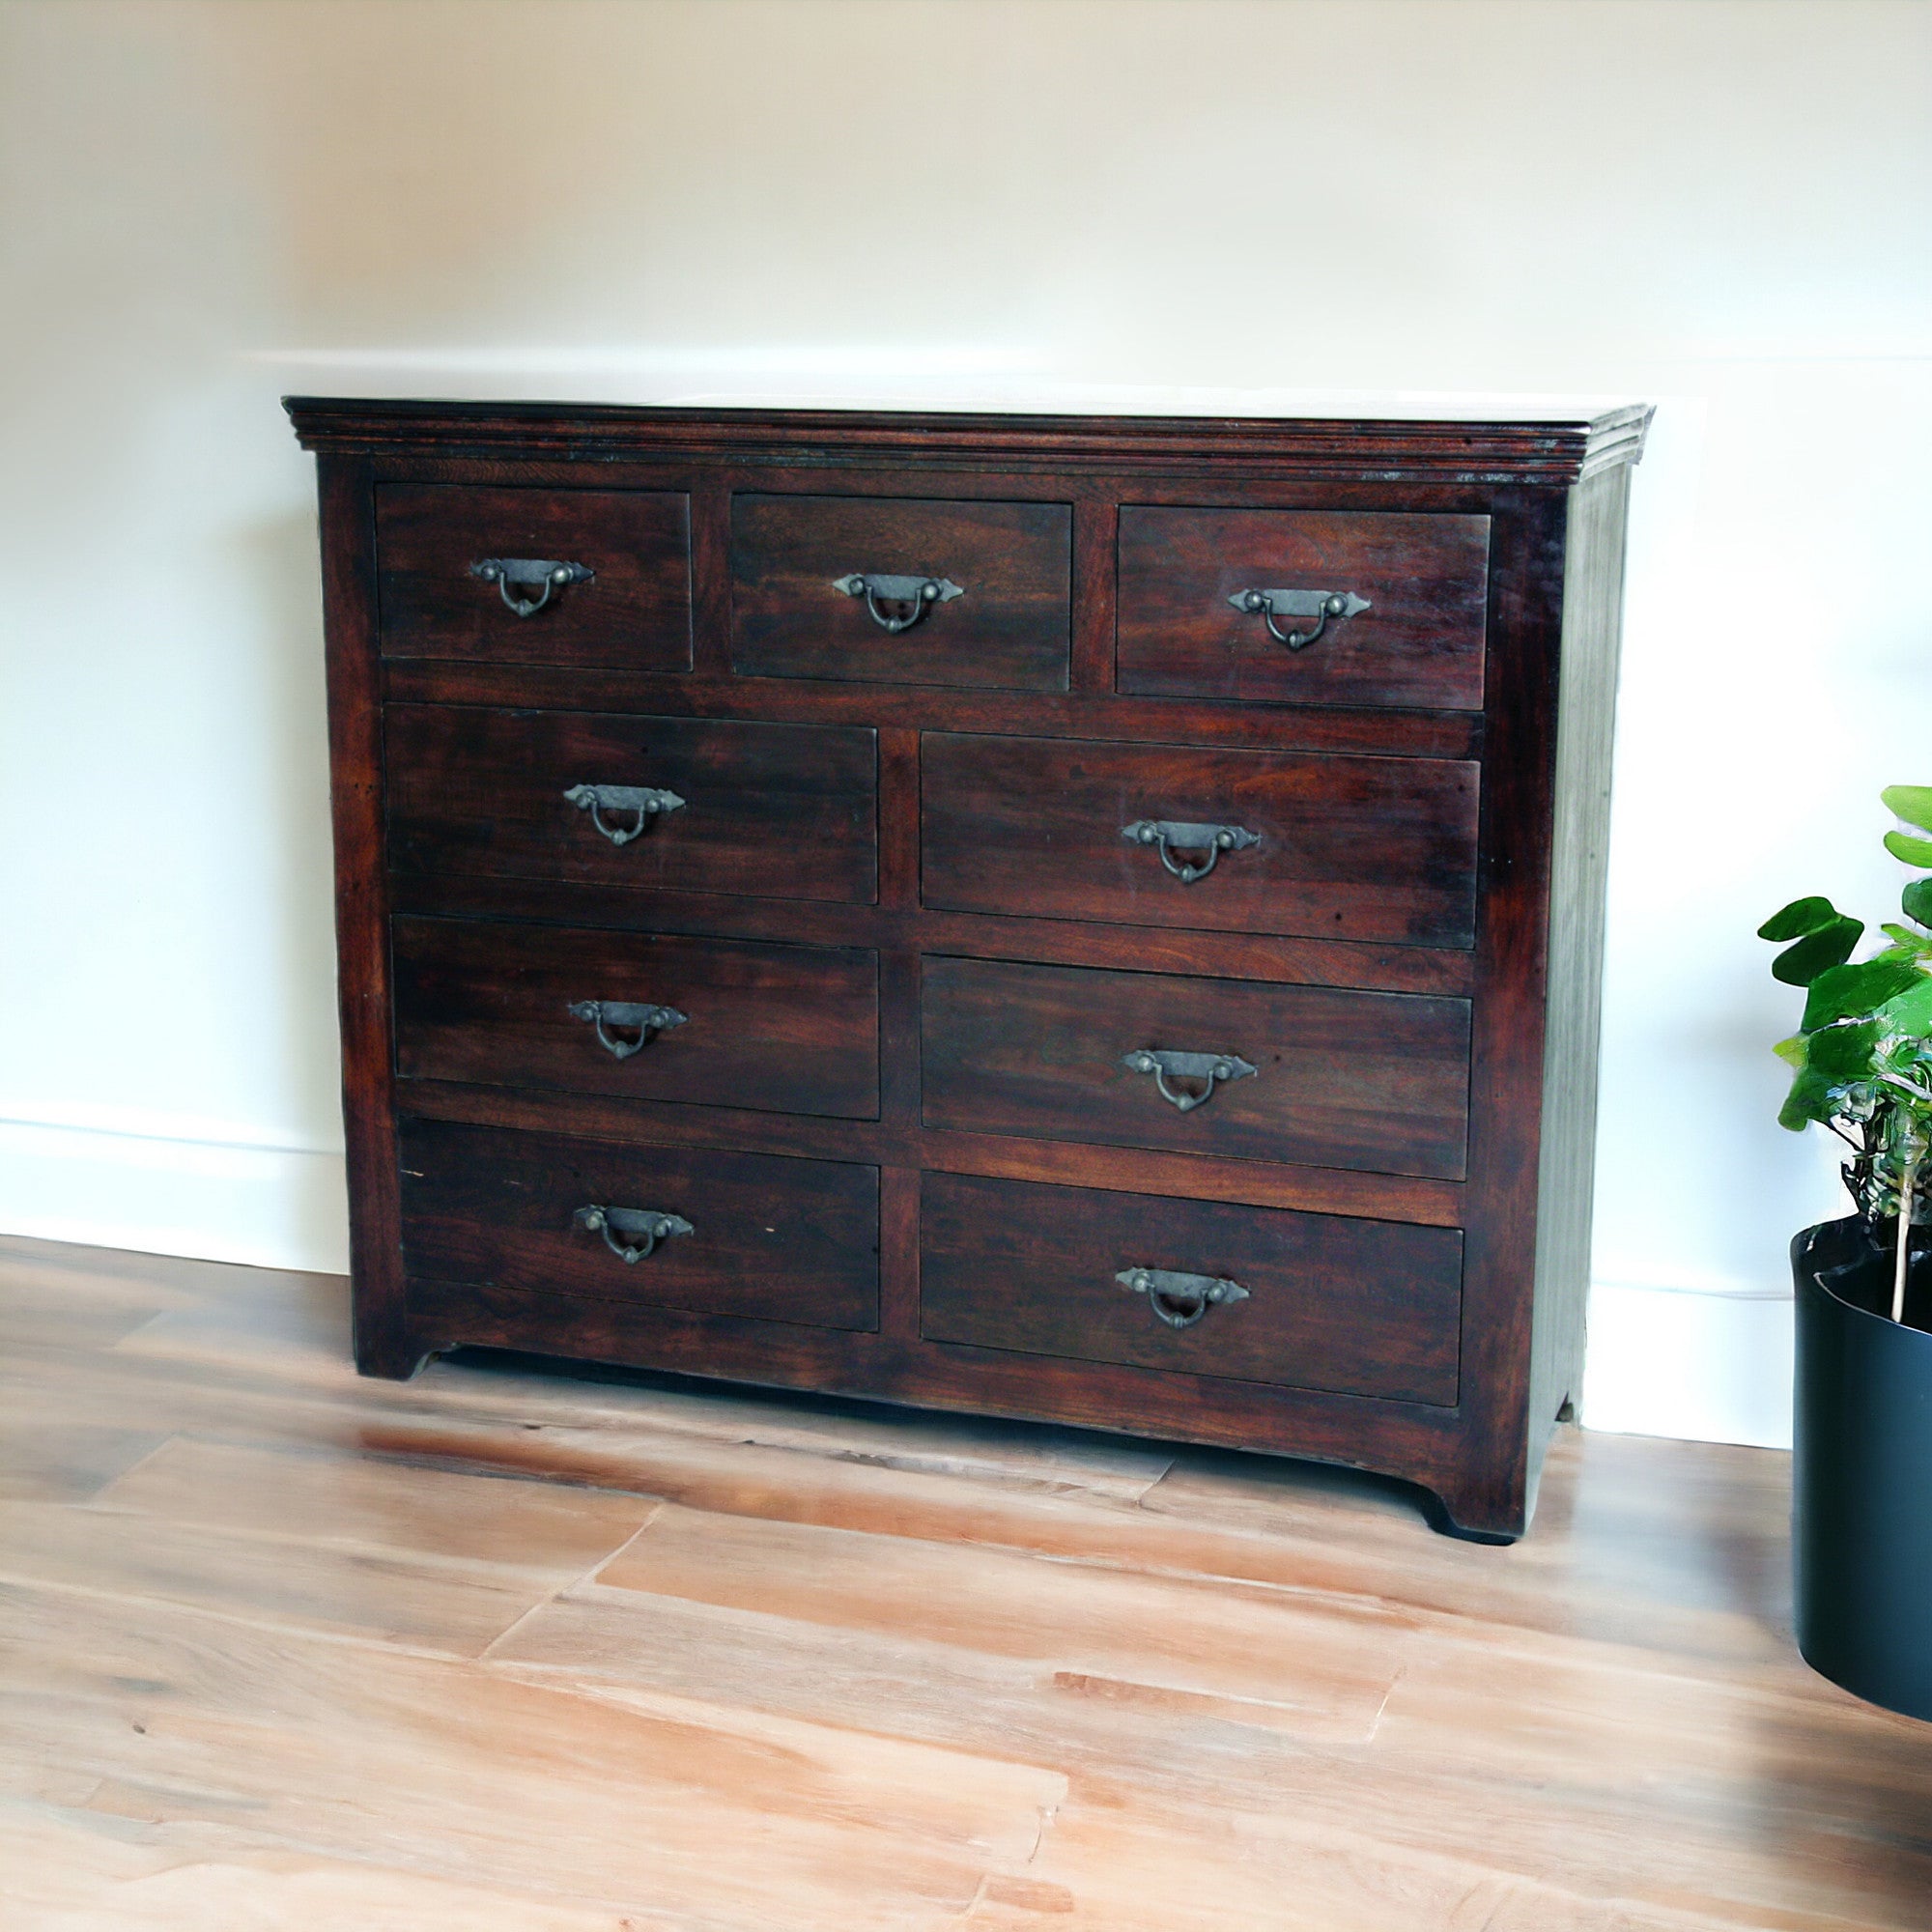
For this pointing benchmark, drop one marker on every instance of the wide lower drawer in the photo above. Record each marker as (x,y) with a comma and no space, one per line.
(712,1022)
(684,804)
(774,1239)
(1256,1294)
(1163,835)
(1309,607)
(901,591)
(558,577)
(1313,1074)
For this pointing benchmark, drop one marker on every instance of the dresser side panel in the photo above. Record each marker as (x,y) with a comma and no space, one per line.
(1592,625)
(383,1343)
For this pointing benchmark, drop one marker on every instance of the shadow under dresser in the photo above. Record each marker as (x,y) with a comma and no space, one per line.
(1091,918)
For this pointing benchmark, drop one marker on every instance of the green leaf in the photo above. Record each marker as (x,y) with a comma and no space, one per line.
(1911,802)
(1843,1053)
(1916,901)
(1800,917)
(1809,1100)
(1830,946)
(1910,1013)
(1791,1051)
(1850,992)
(1905,940)
(1914,851)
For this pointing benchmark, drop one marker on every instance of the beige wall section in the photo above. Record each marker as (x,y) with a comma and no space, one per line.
(1716,206)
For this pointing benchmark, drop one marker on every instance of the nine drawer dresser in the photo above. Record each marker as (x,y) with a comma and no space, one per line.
(1088,919)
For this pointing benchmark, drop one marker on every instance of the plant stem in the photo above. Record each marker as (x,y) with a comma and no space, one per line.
(1905,1194)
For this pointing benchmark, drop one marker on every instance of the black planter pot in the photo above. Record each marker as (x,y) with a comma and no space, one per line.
(1862,1469)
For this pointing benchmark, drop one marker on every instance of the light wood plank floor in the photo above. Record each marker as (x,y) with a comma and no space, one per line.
(507,1649)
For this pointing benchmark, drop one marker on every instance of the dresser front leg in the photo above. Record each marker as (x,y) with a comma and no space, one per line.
(1473,1511)
(391,1350)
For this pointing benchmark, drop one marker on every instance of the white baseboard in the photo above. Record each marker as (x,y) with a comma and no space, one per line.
(1706,1366)
(271,1207)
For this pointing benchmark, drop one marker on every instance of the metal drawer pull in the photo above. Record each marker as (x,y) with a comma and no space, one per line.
(635,1224)
(1320,604)
(1181,1300)
(1211,1068)
(645,801)
(527,572)
(1172,835)
(650,1021)
(877,587)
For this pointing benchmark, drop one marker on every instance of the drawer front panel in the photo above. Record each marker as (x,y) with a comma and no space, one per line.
(723,1023)
(1344,847)
(1315,1075)
(1419,641)
(763,810)
(632,612)
(774,1239)
(1008,629)
(1369,1308)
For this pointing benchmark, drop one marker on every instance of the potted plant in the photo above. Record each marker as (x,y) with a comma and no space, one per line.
(1861,1463)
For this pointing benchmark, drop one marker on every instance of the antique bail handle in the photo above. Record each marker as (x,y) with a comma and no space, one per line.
(1173,834)
(1210,1068)
(643,1226)
(646,803)
(877,586)
(650,1022)
(527,572)
(1181,1300)
(1320,604)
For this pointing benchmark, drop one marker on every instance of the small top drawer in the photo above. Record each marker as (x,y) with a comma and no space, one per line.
(590,578)
(1375,609)
(1233,841)
(901,591)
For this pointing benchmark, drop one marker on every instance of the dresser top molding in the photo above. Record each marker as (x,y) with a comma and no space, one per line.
(1546,452)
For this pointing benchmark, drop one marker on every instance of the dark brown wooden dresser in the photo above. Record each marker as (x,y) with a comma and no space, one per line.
(1090,918)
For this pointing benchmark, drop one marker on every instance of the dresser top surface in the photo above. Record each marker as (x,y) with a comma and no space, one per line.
(1529,448)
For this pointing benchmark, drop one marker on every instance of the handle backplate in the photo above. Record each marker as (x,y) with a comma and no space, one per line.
(626,1015)
(914,595)
(1177,1299)
(1210,1069)
(542,573)
(632,1232)
(1320,604)
(645,803)
(1174,836)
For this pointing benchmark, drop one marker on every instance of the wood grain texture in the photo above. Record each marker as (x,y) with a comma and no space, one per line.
(772,810)
(1351,849)
(502,1648)
(782,1240)
(634,613)
(1420,642)
(785,1029)
(1357,1080)
(1009,629)
(1354,1307)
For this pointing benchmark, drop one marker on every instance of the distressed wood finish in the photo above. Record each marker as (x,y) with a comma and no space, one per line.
(635,612)
(897,905)
(1009,629)
(1420,642)
(1365,1080)
(770,811)
(776,1240)
(785,1029)
(1352,1307)
(1351,849)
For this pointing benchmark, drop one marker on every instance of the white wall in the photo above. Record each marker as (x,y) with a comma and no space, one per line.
(1720,207)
